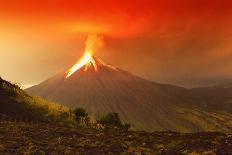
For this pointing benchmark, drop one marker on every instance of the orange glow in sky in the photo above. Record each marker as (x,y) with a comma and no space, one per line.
(171,39)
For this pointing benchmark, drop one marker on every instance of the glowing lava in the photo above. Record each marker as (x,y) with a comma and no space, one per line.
(86,61)
(92,43)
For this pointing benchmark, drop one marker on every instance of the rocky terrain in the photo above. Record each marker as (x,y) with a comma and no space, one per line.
(20,137)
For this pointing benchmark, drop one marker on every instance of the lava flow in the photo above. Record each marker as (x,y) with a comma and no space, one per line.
(86,60)
(92,43)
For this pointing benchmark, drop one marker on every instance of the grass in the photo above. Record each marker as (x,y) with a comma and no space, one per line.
(45,110)
(51,111)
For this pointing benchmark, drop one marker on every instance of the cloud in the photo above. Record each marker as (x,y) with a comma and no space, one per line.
(169,38)
(130,18)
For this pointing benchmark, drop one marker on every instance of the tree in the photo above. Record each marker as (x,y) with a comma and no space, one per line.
(126,126)
(80,114)
(112,120)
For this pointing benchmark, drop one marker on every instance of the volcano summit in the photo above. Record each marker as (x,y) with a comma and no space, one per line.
(101,88)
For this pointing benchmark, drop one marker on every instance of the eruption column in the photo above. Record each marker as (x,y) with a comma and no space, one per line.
(92,43)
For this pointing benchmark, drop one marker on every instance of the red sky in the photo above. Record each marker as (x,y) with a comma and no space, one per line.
(185,42)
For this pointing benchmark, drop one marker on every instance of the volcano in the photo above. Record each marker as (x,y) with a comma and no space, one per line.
(101,88)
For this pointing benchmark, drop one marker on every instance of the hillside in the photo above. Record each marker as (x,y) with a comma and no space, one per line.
(216,98)
(101,88)
(12,102)
(17,104)
(26,130)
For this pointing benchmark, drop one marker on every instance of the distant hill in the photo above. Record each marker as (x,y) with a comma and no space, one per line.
(214,98)
(16,103)
(101,88)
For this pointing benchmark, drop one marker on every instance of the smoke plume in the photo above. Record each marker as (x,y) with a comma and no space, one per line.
(93,43)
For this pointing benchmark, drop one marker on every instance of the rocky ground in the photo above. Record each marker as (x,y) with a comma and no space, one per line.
(39,138)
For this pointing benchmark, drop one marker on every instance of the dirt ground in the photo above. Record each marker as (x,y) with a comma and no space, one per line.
(40,138)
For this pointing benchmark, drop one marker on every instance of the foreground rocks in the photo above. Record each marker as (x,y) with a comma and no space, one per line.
(39,139)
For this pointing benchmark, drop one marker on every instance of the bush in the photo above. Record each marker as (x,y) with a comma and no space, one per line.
(126,126)
(112,120)
(82,117)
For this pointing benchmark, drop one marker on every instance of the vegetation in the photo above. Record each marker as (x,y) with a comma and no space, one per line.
(9,88)
(82,117)
(112,120)
(62,131)
(50,111)
(55,113)
(80,113)
(38,108)
(43,138)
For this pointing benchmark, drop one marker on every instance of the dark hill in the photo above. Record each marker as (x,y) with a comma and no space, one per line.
(16,103)
(214,98)
(13,102)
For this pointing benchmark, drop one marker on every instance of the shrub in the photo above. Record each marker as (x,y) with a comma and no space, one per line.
(82,117)
(126,126)
(112,120)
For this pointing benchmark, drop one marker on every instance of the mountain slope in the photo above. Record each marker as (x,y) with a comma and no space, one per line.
(216,98)
(145,105)
(12,102)
(16,103)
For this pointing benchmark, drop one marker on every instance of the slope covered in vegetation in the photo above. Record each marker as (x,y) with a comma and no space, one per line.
(31,125)
(162,117)
(17,104)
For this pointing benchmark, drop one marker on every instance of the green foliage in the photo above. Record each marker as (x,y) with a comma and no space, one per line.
(50,111)
(8,88)
(57,114)
(82,117)
(79,113)
(112,120)
(41,108)
(126,126)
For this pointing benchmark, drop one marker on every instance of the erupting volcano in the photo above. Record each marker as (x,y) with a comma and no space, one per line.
(101,88)
(88,62)
(92,44)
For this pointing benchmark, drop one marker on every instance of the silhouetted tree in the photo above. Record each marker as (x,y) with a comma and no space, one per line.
(80,113)
(126,126)
(112,120)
